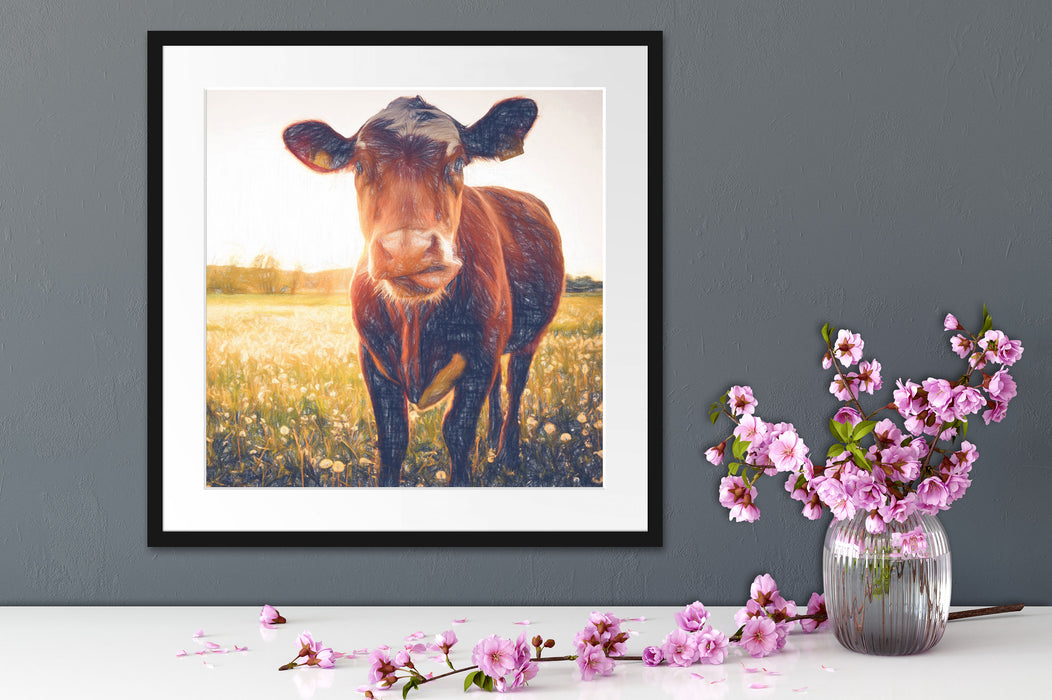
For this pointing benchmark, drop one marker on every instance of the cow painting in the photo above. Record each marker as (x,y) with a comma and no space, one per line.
(451,278)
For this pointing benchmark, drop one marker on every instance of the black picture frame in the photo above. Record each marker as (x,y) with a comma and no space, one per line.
(170,452)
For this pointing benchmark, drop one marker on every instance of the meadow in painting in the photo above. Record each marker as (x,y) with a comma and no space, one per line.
(287,398)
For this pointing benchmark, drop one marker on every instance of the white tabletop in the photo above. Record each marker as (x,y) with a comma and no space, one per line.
(130,652)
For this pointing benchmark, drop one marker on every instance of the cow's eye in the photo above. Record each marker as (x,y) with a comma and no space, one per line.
(458,166)
(358,167)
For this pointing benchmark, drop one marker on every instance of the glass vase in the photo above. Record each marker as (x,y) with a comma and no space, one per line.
(887,593)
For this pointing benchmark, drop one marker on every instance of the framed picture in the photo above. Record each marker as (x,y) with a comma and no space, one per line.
(404,288)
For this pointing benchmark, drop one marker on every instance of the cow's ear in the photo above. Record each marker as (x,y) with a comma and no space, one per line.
(319,146)
(500,133)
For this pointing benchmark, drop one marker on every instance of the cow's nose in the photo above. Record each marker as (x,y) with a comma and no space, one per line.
(405,252)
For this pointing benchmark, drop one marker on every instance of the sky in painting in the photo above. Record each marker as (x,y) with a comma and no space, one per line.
(260,198)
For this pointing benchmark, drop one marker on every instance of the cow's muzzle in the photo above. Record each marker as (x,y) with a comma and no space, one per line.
(412,263)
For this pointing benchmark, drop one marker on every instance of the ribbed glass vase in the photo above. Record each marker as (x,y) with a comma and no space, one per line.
(887,594)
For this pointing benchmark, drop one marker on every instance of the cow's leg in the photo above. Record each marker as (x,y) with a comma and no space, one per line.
(496,416)
(518,374)
(461,421)
(392,420)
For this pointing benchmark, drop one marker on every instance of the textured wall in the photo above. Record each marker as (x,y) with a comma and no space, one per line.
(870,164)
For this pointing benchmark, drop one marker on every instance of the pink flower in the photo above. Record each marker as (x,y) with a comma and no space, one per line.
(269,615)
(912,543)
(996,413)
(931,495)
(827,360)
(874,523)
(899,509)
(741,401)
(787,452)
(381,669)
(307,644)
(848,416)
(752,609)
(869,377)
(845,388)
(750,428)
(951,323)
(940,391)
(693,617)
(760,636)
(1001,386)
(887,432)
(445,641)
(592,662)
(325,658)
(835,496)
(966,401)
(848,347)
(524,670)
(494,656)
(763,589)
(652,656)
(908,400)
(816,605)
(712,646)
(680,648)
(1009,352)
(961,345)
(1000,349)
(715,454)
(737,496)
(780,608)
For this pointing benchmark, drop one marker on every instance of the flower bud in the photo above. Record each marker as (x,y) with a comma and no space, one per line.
(548,644)
(537,641)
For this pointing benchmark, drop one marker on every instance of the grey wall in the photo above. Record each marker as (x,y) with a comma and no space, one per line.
(870,164)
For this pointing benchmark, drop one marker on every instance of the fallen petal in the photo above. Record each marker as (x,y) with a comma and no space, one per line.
(715,682)
(641,618)
(460,621)
(181,652)
(237,648)
(827,668)
(758,686)
(211,645)
(750,670)
(698,676)
(801,689)
(415,635)
(220,651)
(199,633)
(523,622)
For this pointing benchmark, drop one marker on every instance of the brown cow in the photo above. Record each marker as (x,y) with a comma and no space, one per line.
(452,277)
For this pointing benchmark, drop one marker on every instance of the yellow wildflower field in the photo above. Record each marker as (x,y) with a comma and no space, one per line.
(287,405)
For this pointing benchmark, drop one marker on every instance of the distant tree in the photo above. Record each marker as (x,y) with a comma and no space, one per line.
(265,273)
(295,278)
(582,284)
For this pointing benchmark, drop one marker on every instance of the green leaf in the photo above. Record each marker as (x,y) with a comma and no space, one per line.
(863,429)
(801,481)
(841,431)
(733,468)
(835,451)
(714,416)
(410,685)
(740,446)
(825,332)
(860,457)
(988,322)
(907,441)
(964,430)
(469,680)
(487,685)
